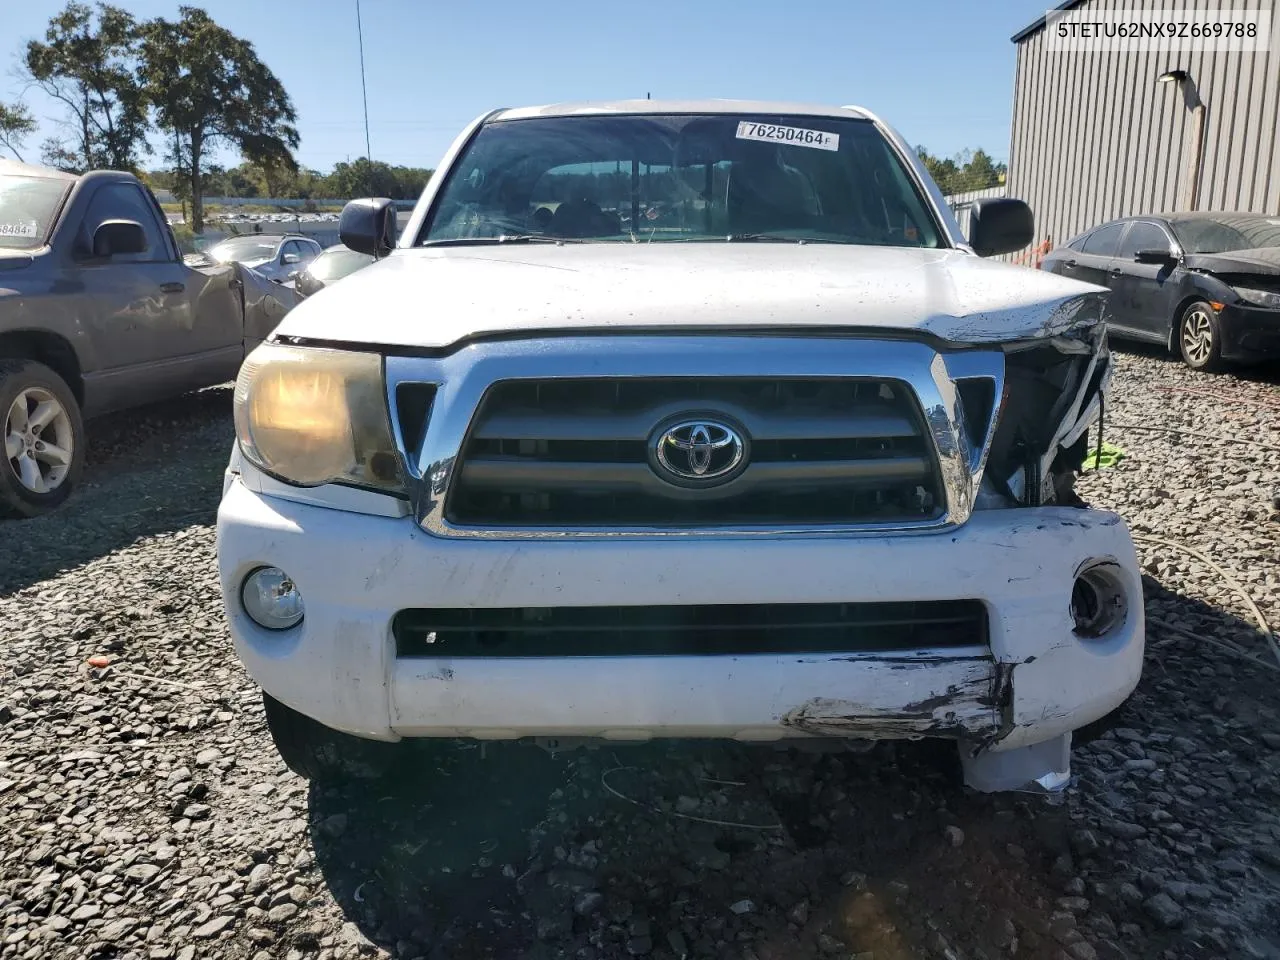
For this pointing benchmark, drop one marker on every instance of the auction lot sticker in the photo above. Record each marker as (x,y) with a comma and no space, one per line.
(794,136)
(25,230)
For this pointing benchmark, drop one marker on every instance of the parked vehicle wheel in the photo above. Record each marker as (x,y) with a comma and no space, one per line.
(43,439)
(315,752)
(1200,337)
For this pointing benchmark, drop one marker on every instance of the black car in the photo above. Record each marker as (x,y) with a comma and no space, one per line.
(1205,284)
(332,265)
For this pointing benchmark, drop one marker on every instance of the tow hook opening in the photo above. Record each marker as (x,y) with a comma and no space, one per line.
(1099,604)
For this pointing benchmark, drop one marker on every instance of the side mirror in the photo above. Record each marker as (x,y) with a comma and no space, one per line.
(369,226)
(115,237)
(1155,256)
(290,258)
(999,225)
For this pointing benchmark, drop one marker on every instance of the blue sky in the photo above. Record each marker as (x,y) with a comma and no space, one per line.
(941,71)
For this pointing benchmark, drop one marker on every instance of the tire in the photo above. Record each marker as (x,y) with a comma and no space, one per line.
(316,752)
(1199,337)
(32,480)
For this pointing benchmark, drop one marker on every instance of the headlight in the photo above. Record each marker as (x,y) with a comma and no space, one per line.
(1260,298)
(309,416)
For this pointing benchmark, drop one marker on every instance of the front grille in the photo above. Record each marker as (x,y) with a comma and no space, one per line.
(707,630)
(578,453)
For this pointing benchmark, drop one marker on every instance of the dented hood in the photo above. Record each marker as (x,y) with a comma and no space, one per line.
(432,298)
(1264,261)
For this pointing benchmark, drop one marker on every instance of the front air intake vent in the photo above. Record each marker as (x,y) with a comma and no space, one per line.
(412,411)
(737,451)
(701,630)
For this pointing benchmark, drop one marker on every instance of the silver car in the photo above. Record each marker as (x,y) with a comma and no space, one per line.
(274,256)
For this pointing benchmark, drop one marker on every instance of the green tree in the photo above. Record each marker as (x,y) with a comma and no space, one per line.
(273,178)
(373,178)
(15,123)
(88,63)
(363,178)
(159,179)
(967,170)
(980,172)
(209,89)
(309,185)
(411,181)
(943,171)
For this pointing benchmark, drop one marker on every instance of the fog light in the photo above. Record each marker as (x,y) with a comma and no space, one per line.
(271,599)
(1098,601)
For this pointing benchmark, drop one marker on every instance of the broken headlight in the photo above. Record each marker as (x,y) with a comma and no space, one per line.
(310,416)
(1259,298)
(1052,393)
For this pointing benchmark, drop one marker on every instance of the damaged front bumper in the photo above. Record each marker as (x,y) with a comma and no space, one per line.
(1030,682)
(1249,333)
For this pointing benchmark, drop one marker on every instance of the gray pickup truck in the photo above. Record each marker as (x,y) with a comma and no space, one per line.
(98,312)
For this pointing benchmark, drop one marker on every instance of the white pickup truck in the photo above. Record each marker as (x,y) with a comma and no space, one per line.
(684,419)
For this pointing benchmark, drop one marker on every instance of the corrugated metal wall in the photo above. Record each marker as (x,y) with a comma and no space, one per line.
(1095,137)
(960,203)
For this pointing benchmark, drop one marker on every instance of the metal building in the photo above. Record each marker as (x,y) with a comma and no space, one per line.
(1097,135)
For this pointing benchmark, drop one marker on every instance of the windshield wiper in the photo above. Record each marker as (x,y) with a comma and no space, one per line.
(776,238)
(504,238)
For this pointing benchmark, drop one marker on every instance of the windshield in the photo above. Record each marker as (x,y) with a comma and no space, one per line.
(334,264)
(1219,234)
(244,249)
(658,178)
(27,208)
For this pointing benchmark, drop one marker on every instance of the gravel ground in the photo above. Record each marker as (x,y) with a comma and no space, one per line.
(144,813)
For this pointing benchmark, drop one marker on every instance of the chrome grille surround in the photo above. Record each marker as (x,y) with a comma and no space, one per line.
(462,378)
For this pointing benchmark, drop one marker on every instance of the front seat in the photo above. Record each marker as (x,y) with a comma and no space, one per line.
(582,218)
(762,196)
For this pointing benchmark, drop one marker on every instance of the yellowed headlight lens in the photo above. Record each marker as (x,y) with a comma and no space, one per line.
(310,416)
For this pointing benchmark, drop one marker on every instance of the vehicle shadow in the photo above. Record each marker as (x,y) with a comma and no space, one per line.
(1267,371)
(437,848)
(149,470)
(506,851)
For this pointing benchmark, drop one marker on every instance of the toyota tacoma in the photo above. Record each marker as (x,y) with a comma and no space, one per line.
(685,419)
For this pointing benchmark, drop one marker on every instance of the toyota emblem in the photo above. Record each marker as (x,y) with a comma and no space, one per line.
(698,453)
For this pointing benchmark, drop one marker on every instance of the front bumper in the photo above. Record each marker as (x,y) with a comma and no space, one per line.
(1249,333)
(1036,681)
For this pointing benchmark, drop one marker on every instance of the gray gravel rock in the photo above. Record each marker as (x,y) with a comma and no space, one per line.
(282,912)
(147,818)
(1164,910)
(258,878)
(212,928)
(588,903)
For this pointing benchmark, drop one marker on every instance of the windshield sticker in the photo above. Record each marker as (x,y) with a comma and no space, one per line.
(794,136)
(28,230)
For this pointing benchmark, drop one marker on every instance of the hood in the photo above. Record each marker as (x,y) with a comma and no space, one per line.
(1260,260)
(433,298)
